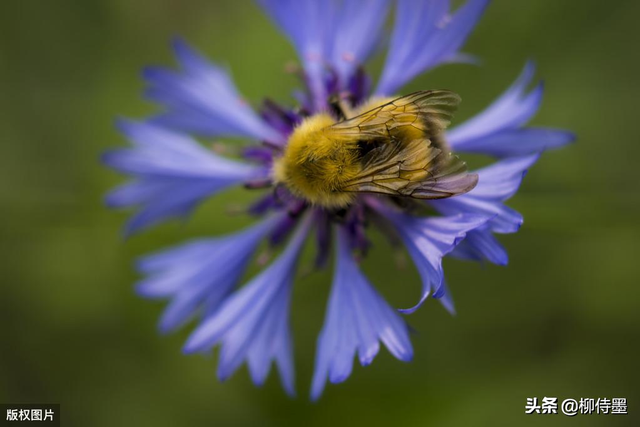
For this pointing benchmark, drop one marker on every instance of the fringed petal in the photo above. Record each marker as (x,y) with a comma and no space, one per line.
(357,32)
(428,240)
(253,323)
(425,35)
(480,245)
(496,184)
(497,131)
(444,295)
(357,319)
(172,174)
(203,99)
(309,26)
(329,36)
(197,276)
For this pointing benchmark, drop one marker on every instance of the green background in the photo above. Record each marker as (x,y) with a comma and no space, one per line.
(561,320)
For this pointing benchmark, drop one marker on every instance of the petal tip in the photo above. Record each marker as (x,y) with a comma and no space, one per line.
(191,346)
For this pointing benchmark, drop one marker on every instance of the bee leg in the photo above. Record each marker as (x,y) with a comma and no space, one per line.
(258,183)
(338,215)
(413,206)
(338,107)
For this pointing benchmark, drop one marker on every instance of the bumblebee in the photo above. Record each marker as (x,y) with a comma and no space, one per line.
(394,147)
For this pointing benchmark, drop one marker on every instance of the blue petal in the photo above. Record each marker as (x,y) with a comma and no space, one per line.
(497,130)
(203,99)
(444,295)
(357,319)
(198,275)
(357,31)
(496,183)
(336,34)
(428,240)
(172,174)
(424,36)
(512,109)
(253,323)
(481,245)
(518,142)
(309,26)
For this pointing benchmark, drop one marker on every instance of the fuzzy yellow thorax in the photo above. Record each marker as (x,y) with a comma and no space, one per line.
(315,164)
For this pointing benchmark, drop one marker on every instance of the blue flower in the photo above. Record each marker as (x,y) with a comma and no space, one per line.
(172,172)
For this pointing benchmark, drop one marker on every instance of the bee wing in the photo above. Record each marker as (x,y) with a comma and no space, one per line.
(428,112)
(412,160)
(412,169)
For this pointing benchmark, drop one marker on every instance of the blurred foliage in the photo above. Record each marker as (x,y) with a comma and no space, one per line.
(561,320)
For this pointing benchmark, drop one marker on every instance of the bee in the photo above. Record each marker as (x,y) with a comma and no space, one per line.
(393,147)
